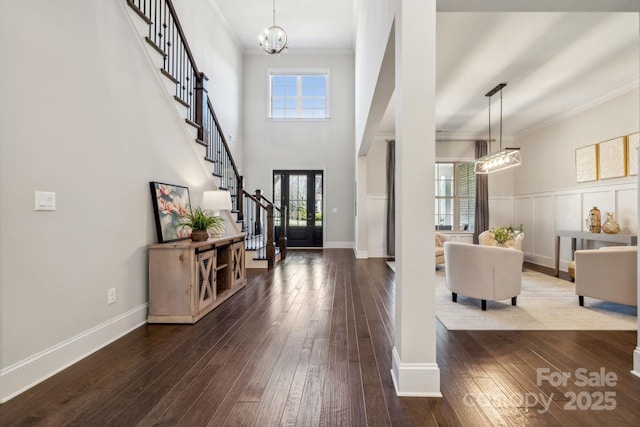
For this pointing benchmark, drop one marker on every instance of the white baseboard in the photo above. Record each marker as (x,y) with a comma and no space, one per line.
(360,254)
(636,362)
(415,379)
(378,253)
(25,374)
(338,245)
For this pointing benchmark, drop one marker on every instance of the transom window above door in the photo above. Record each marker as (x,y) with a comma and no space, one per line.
(299,95)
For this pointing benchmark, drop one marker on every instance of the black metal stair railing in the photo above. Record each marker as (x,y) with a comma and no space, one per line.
(167,36)
(262,220)
(279,224)
(219,154)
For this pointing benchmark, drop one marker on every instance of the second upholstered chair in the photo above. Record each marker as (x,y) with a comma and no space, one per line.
(483,272)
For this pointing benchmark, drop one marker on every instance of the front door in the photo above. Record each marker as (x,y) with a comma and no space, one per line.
(301,192)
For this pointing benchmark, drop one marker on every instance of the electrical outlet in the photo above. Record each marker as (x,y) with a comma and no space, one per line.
(111,296)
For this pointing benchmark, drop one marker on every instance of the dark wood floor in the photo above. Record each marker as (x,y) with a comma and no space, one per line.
(309,343)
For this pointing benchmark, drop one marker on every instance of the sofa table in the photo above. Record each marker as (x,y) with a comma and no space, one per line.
(189,279)
(621,239)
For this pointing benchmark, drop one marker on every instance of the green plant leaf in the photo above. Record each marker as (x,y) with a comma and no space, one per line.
(198,219)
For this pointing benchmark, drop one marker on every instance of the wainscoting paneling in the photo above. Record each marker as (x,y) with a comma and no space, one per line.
(544,220)
(568,217)
(525,215)
(625,212)
(543,213)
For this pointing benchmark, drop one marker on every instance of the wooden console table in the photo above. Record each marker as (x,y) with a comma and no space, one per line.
(189,279)
(621,239)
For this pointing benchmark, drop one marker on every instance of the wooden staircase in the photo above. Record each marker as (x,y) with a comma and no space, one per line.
(157,22)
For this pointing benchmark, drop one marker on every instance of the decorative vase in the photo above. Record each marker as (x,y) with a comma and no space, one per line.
(593,220)
(610,226)
(199,235)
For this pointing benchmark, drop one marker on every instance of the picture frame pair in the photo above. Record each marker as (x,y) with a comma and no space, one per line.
(615,158)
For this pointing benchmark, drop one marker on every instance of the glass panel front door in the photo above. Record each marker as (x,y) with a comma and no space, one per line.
(302,192)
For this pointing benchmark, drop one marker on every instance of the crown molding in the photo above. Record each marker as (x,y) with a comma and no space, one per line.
(609,94)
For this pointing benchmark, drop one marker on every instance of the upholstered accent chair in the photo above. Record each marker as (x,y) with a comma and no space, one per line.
(483,272)
(486,239)
(440,240)
(609,273)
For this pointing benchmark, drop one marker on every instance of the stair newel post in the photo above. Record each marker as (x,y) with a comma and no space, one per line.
(240,197)
(201,106)
(271,246)
(282,242)
(258,226)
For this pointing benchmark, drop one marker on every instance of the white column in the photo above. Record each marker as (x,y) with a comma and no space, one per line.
(361,248)
(636,353)
(414,368)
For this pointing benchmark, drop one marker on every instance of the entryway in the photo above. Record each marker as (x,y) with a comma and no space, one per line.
(302,192)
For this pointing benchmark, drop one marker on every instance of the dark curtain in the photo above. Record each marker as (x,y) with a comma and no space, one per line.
(391,198)
(482,195)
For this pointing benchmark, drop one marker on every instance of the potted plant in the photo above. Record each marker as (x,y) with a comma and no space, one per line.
(201,222)
(503,234)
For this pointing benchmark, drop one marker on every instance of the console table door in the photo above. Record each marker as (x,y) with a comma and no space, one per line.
(205,280)
(238,262)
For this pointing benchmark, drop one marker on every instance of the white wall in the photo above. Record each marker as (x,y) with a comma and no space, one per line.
(546,195)
(374,21)
(84,114)
(304,144)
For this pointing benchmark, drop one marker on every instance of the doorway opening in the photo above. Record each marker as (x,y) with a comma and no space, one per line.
(301,191)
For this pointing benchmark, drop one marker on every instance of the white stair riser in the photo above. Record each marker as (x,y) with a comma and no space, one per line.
(169,84)
(194,134)
(141,27)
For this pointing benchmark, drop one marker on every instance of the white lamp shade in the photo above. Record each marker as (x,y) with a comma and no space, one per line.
(216,200)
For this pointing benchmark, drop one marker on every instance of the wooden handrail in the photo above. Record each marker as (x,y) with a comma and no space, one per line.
(270,203)
(256,201)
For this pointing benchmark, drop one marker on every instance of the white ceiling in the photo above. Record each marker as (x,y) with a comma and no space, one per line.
(555,64)
(310,24)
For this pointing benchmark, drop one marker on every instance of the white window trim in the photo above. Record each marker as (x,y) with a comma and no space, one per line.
(299,72)
(456,198)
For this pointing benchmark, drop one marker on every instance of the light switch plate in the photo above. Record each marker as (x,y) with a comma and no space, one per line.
(45,201)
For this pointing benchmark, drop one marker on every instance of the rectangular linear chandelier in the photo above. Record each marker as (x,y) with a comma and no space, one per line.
(504,158)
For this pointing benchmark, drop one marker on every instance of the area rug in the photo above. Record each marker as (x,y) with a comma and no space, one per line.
(545,303)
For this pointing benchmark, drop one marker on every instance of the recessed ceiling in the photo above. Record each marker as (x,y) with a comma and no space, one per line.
(555,64)
(310,24)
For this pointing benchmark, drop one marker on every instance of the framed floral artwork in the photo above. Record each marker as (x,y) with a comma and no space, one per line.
(587,163)
(170,203)
(633,141)
(611,158)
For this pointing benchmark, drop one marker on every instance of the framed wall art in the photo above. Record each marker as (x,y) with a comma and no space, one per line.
(587,163)
(170,203)
(633,141)
(612,158)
